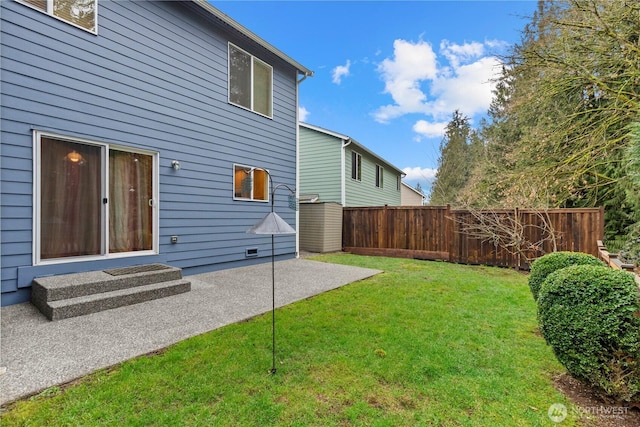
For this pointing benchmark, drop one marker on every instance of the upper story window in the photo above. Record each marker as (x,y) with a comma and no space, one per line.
(81,13)
(356,166)
(250,82)
(250,183)
(379,176)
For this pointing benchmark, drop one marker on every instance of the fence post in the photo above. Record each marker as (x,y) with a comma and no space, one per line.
(384,242)
(448,230)
(516,221)
(601,227)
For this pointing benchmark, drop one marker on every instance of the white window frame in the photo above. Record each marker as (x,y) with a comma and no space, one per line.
(379,176)
(37,138)
(49,12)
(250,169)
(252,98)
(356,166)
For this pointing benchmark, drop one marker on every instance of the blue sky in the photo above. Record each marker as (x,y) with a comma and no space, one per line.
(390,74)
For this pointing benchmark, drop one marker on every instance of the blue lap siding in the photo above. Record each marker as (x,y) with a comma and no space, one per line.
(153,78)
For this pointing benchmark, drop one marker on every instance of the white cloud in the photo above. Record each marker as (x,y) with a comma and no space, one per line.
(303,113)
(340,71)
(412,63)
(461,53)
(496,44)
(429,129)
(418,173)
(422,82)
(468,90)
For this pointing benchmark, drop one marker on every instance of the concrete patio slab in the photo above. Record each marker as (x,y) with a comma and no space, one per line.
(39,353)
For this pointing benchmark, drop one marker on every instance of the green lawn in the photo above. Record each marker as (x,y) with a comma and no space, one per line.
(425,343)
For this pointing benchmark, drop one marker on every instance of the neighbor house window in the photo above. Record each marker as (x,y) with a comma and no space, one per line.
(81,13)
(250,82)
(379,176)
(356,166)
(92,199)
(398,182)
(250,183)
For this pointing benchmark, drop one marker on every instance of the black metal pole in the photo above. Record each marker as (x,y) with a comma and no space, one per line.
(273,277)
(273,308)
(273,288)
(273,224)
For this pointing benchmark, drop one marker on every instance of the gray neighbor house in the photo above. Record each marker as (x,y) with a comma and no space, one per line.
(139,132)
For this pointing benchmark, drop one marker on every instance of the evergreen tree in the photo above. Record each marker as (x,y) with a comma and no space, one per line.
(560,121)
(454,162)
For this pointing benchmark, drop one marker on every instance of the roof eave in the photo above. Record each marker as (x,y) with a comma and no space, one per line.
(412,189)
(325,131)
(252,36)
(352,141)
(376,156)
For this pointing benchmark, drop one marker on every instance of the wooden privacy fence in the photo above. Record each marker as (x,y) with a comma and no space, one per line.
(461,236)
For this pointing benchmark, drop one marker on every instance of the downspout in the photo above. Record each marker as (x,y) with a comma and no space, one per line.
(343,163)
(297,195)
(304,77)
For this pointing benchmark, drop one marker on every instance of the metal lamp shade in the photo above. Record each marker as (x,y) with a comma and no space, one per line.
(271,224)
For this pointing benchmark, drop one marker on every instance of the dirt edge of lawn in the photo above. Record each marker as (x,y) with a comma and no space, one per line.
(595,411)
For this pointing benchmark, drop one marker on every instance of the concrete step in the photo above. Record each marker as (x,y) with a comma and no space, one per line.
(64,286)
(68,295)
(87,304)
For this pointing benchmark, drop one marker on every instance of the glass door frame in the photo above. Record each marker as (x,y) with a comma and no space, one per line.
(105,147)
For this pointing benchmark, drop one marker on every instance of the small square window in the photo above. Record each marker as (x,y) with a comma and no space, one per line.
(250,183)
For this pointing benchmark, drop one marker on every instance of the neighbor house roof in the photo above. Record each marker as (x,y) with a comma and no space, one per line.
(412,189)
(252,36)
(350,140)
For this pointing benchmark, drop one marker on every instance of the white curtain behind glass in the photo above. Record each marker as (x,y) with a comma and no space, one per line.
(70,201)
(130,211)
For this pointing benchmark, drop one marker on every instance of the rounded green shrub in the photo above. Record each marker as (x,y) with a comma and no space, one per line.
(547,264)
(589,317)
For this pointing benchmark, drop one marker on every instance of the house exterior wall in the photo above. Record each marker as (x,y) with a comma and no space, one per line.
(410,197)
(320,165)
(321,171)
(153,78)
(365,192)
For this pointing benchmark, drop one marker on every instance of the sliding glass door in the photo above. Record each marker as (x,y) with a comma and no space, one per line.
(93,199)
(130,201)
